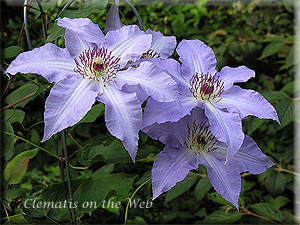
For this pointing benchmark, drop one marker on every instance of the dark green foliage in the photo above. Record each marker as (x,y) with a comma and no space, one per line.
(256,35)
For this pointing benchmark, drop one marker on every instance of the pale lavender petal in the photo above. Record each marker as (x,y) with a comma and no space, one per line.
(69,100)
(196,57)
(171,134)
(113,21)
(127,43)
(225,179)
(171,166)
(248,158)
(247,102)
(161,112)
(123,116)
(50,61)
(154,82)
(140,94)
(231,75)
(226,127)
(163,45)
(80,34)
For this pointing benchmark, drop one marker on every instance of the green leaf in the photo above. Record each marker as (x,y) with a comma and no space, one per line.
(289,88)
(7,141)
(181,187)
(55,32)
(20,93)
(216,197)
(137,220)
(17,167)
(96,4)
(279,38)
(279,202)
(92,115)
(222,217)
(268,211)
(286,111)
(275,183)
(271,49)
(253,124)
(41,89)
(202,187)
(88,201)
(14,116)
(35,207)
(274,96)
(103,171)
(11,52)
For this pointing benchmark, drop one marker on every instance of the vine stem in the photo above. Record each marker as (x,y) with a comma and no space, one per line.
(136,14)
(127,206)
(68,177)
(26,25)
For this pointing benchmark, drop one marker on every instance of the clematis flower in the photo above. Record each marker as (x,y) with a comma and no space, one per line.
(189,143)
(91,68)
(200,85)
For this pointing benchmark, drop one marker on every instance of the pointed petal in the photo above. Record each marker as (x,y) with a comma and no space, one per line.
(225,179)
(123,116)
(231,75)
(127,43)
(113,21)
(247,102)
(196,57)
(171,134)
(164,45)
(80,34)
(158,112)
(171,166)
(50,61)
(226,127)
(154,82)
(67,103)
(248,158)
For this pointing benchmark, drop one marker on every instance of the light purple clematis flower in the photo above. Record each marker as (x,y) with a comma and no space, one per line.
(200,85)
(89,69)
(190,142)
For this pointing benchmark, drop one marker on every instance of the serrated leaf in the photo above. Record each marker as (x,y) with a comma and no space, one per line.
(268,211)
(286,111)
(216,197)
(253,124)
(181,187)
(121,183)
(20,93)
(279,202)
(275,183)
(273,96)
(11,52)
(222,217)
(17,167)
(279,38)
(271,49)
(202,188)
(7,141)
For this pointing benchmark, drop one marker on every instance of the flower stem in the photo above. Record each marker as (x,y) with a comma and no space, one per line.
(26,25)
(136,14)
(68,177)
(127,206)
(43,21)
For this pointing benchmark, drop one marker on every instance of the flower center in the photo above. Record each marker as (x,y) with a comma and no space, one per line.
(200,138)
(206,87)
(97,64)
(150,54)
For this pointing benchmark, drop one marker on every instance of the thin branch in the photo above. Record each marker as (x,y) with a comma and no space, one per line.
(43,21)
(21,100)
(26,23)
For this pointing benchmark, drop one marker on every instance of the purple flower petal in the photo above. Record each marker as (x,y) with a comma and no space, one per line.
(123,116)
(163,45)
(247,102)
(235,75)
(224,178)
(226,127)
(67,103)
(50,61)
(171,166)
(113,21)
(196,57)
(248,158)
(80,34)
(154,82)
(157,112)
(127,43)
(171,134)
